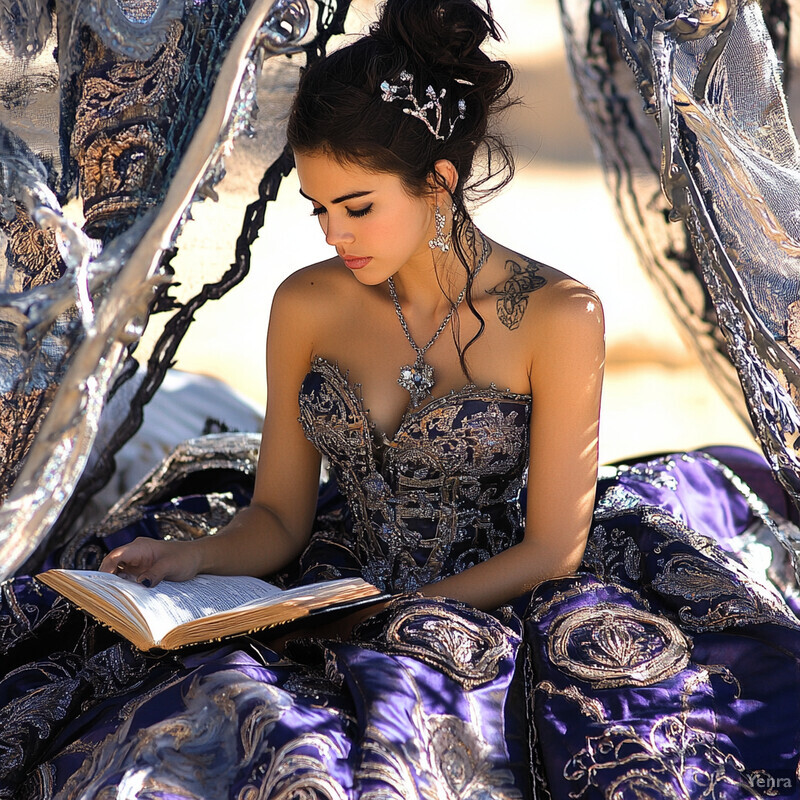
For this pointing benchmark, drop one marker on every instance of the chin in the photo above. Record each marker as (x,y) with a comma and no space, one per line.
(368,279)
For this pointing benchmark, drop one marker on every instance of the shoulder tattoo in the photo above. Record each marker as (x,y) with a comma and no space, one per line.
(512,296)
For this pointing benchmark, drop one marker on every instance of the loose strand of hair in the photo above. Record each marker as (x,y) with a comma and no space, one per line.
(464,229)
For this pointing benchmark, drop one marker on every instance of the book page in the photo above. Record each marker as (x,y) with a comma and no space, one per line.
(205,608)
(319,595)
(172,603)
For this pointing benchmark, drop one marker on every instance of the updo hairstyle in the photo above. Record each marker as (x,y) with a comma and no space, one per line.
(339,110)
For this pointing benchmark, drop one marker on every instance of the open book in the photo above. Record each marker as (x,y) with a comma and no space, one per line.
(205,608)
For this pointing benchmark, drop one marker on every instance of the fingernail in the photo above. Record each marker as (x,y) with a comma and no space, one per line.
(146,583)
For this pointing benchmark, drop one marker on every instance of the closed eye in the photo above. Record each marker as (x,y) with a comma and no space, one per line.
(351,212)
(360,212)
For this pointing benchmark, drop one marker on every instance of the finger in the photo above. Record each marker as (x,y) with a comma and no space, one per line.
(129,558)
(151,577)
(113,562)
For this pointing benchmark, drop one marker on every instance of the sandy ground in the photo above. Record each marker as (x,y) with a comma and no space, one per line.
(656,395)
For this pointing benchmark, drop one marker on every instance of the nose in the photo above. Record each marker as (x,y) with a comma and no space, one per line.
(336,232)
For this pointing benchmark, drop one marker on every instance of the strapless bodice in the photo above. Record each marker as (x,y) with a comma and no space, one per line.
(441,494)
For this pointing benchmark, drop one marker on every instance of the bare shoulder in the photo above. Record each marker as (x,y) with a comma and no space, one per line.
(568,303)
(312,294)
(310,283)
(568,332)
(531,295)
(302,307)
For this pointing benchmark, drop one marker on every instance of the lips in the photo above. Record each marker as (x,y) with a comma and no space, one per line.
(355,262)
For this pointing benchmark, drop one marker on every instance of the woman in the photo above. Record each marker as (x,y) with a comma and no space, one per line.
(454,387)
(388,180)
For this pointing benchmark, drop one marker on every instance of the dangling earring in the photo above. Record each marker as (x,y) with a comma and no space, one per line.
(440,240)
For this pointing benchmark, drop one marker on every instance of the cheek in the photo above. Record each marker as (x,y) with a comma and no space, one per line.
(390,230)
(409,226)
(399,231)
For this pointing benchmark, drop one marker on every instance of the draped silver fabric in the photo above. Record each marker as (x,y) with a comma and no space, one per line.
(686,104)
(130,105)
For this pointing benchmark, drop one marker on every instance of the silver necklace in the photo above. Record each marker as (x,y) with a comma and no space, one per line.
(417,378)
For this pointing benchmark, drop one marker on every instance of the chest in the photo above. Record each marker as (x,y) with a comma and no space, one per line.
(379,358)
(470,432)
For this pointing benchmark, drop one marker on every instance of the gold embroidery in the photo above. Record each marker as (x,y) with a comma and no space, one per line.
(32,261)
(588,706)
(118,140)
(610,646)
(32,253)
(444,756)
(540,608)
(793,324)
(468,651)
(20,419)
(654,764)
(294,774)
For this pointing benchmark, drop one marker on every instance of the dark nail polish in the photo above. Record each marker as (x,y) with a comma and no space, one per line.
(146,582)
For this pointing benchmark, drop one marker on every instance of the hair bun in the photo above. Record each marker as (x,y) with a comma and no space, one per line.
(444,32)
(341,104)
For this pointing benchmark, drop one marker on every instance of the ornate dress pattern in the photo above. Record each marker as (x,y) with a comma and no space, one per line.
(668,666)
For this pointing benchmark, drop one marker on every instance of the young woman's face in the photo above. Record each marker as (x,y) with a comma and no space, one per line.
(375,225)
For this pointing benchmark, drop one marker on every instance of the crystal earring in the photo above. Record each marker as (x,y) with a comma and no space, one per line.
(441,240)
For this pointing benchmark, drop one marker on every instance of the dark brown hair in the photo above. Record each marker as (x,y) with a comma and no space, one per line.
(338,108)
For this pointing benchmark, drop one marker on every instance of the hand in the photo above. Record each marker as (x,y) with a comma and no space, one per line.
(150,561)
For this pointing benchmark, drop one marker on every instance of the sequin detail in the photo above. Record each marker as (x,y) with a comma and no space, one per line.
(440,495)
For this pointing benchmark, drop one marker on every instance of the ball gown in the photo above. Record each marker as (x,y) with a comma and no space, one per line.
(668,666)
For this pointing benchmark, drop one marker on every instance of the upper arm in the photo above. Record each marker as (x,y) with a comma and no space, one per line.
(287,479)
(566,380)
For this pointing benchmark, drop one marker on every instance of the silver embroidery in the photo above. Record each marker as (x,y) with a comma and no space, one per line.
(612,555)
(442,494)
(43,714)
(231,716)
(615,500)
(718,599)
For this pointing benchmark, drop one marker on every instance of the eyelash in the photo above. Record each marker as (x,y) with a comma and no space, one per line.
(361,212)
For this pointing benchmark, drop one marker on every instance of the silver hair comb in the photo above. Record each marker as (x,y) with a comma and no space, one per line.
(431,112)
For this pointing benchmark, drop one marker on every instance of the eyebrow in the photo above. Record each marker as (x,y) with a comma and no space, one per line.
(342,199)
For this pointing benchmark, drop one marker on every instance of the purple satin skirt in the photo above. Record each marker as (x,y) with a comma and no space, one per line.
(668,667)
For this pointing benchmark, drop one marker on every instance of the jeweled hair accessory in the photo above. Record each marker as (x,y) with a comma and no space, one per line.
(431,112)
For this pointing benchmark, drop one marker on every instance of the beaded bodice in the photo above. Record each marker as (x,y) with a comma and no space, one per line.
(440,495)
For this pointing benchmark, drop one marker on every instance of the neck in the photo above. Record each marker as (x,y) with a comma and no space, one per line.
(429,285)
(429,289)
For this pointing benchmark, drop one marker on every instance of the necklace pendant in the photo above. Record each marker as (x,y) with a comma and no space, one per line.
(417,380)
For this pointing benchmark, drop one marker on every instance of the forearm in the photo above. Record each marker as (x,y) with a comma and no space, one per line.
(505,576)
(254,543)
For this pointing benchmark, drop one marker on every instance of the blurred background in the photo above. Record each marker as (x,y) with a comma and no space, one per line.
(557,210)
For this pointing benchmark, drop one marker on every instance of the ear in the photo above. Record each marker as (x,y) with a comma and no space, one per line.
(446,176)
